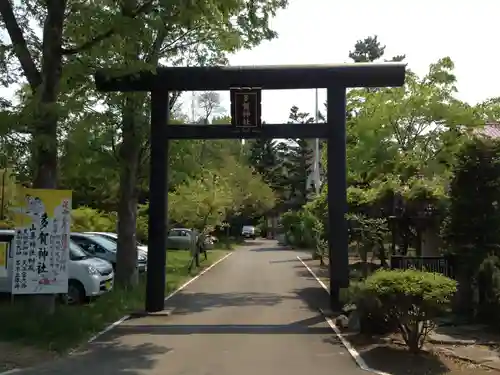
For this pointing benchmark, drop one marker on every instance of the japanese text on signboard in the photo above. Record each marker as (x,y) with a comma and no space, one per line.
(41,243)
(246,107)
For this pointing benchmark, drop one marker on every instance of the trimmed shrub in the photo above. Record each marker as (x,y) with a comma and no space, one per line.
(410,299)
(372,318)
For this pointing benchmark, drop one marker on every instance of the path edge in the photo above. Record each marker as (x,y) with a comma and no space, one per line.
(356,356)
(170,295)
(125,317)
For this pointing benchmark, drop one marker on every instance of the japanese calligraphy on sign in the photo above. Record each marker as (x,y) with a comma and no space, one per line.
(41,243)
(246,108)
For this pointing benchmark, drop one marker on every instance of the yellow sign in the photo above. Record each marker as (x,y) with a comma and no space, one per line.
(4,252)
(40,250)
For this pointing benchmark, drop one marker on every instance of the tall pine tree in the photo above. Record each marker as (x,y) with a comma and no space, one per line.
(262,156)
(298,158)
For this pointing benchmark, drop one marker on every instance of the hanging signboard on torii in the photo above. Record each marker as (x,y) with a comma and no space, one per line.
(246,108)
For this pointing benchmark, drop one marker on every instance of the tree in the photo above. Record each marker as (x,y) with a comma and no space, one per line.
(410,130)
(208,200)
(209,104)
(369,50)
(128,36)
(401,146)
(206,41)
(262,155)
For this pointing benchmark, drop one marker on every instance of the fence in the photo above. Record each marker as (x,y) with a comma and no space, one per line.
(438,264)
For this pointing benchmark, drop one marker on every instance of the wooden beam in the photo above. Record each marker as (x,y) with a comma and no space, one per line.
(194,131)
(266,77)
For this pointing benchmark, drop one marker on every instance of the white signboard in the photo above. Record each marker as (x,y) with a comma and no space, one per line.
(41,244)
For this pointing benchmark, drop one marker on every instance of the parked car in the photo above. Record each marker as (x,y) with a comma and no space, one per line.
(249,231)
(180,239)
(114,237)
(105,248)
(87,276)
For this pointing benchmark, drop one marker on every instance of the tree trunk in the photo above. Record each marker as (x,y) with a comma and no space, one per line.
(44,142)
(126,260)
(130,159)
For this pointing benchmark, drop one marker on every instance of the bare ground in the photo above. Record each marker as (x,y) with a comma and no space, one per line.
(14,355)
(393,358)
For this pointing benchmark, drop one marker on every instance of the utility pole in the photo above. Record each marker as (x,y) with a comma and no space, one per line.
(317,157)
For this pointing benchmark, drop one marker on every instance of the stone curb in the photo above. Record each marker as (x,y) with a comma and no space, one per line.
(459,342)
(451,354)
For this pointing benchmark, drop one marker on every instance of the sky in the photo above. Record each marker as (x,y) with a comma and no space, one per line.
(324,31)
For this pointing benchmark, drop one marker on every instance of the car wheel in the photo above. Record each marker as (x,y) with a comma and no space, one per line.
(76,293)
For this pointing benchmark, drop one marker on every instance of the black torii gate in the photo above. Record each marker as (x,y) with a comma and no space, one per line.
(245,83)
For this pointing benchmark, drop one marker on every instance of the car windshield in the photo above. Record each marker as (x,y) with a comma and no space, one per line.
(247,227)
(106,243)
(76,252)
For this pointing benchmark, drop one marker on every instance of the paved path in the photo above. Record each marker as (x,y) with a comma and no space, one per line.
(255,313)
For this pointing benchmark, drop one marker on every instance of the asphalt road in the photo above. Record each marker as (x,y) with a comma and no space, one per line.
(254,313)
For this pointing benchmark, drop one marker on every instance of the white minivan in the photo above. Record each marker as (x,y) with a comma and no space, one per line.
(88,276)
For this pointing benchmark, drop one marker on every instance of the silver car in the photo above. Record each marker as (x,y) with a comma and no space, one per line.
(181,239)
(105,248)
(114,237)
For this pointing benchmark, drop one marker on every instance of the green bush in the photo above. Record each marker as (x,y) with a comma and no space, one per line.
(372,318)
(488,283)
(142,223)
(410,299)
(86,219)
(89,219)
(301,228)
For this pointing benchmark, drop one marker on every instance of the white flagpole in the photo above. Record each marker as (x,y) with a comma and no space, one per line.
(316,151)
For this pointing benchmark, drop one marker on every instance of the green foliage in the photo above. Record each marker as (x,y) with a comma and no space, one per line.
(301,228)
(411,298)
(488,283)
(471,227)
(88,219)
(61,104)
(369,50)
(211,198)
(142,223)
(369,235)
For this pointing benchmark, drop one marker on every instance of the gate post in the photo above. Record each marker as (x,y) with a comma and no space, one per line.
(338,241)
(158,202)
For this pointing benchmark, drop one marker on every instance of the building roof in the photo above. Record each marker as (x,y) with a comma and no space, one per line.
(490,130)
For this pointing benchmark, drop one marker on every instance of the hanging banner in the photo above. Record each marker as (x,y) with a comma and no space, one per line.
(41,245)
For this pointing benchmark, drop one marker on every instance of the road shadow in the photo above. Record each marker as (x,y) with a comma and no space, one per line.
(110,358)
(292,260)
(279,248)
(302,272)
(188,303)
(247,243)
(312,326)
(315,298)
(268,249)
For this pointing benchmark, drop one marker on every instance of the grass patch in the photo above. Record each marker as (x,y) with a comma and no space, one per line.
(73,325)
